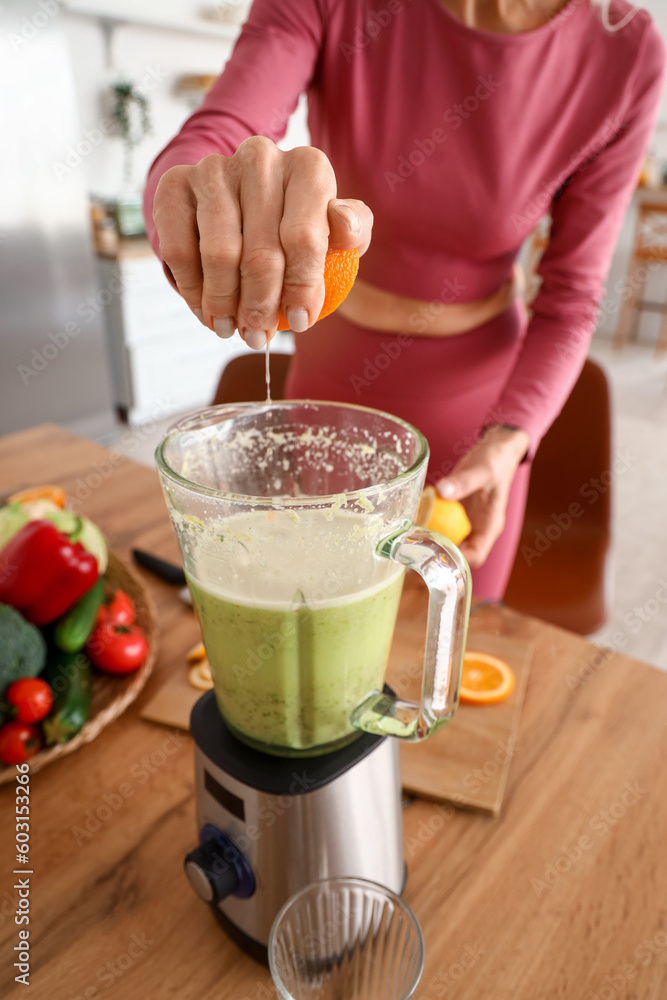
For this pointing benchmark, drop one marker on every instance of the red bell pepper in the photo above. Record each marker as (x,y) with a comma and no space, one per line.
(43,573)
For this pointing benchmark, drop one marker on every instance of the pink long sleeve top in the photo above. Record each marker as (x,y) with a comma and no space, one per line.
(459,140)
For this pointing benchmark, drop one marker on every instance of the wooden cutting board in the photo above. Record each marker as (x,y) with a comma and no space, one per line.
(468,762)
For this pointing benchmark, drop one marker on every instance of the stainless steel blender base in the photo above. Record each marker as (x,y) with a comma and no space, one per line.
(271,826)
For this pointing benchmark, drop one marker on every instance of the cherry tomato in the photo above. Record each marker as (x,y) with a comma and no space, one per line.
(31,697)
(117,649)
(117,606)
(18,742)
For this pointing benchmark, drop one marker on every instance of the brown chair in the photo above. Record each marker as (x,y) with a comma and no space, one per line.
(562,570)
(243,378)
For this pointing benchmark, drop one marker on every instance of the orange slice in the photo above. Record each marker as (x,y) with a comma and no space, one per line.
(486,680)
(55,494)
(196,654)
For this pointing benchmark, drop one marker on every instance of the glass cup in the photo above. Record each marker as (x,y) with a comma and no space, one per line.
(346,939)
(294,521)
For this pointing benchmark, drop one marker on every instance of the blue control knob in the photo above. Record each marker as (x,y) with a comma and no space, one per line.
(217,868)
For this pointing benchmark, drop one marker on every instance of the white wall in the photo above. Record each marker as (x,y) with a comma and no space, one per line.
(152,56)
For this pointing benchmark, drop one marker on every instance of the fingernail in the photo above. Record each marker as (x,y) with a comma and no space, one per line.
(199,314)
(297,317)
(350,217)
(446,489)
(255,339)
(224,326)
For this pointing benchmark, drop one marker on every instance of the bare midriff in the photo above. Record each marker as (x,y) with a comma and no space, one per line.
(376,309)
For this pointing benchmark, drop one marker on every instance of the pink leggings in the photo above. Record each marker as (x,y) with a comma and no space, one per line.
(445,386)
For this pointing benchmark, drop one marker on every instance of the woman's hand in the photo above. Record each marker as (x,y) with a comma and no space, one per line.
(246,235)
(482,481)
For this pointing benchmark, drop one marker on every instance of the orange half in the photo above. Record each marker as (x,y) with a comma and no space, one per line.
(340,270)
(486,680)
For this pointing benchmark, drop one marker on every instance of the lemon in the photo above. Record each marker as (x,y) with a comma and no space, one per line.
(447,517)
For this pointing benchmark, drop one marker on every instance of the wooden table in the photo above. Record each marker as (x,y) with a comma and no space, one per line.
(564,896)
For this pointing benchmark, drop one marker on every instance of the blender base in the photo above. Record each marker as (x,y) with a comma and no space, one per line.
(254,949)
(270,826)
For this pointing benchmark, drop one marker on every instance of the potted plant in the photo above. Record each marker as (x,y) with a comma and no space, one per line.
(131,114)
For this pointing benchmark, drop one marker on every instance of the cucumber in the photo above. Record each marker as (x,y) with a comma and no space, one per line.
(72,631)
(70,677)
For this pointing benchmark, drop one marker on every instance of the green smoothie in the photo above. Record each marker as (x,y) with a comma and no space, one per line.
(287,677)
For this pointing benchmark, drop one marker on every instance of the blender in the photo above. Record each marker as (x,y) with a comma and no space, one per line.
(295,524)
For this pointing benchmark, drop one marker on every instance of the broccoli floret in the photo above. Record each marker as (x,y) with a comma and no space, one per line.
(22,648)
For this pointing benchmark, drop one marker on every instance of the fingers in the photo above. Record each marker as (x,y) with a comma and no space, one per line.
(304,234)
(487,516)
(481,480)
(262,264)
(174,214)
(466,478)
(350,224)
(220,243)
(246,235)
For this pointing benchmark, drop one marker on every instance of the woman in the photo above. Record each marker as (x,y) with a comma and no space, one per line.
(456,124)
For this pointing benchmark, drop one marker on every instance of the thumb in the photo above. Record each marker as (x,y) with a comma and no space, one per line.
(462,482)
(350,224)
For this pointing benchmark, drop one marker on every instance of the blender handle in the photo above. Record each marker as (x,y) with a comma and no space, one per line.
(447,576)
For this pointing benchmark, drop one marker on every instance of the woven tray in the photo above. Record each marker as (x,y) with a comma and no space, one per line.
(111,695)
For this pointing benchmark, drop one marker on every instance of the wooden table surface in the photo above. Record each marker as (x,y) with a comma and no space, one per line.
(564,895)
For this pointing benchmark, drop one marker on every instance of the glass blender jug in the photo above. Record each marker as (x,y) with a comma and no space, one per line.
(294,521)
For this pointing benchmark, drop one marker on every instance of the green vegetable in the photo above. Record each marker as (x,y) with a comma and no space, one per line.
(12,518)
(80,529)
(73,629)
(69,676)
(22,647)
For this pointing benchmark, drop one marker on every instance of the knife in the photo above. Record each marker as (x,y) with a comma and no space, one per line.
(164,571)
